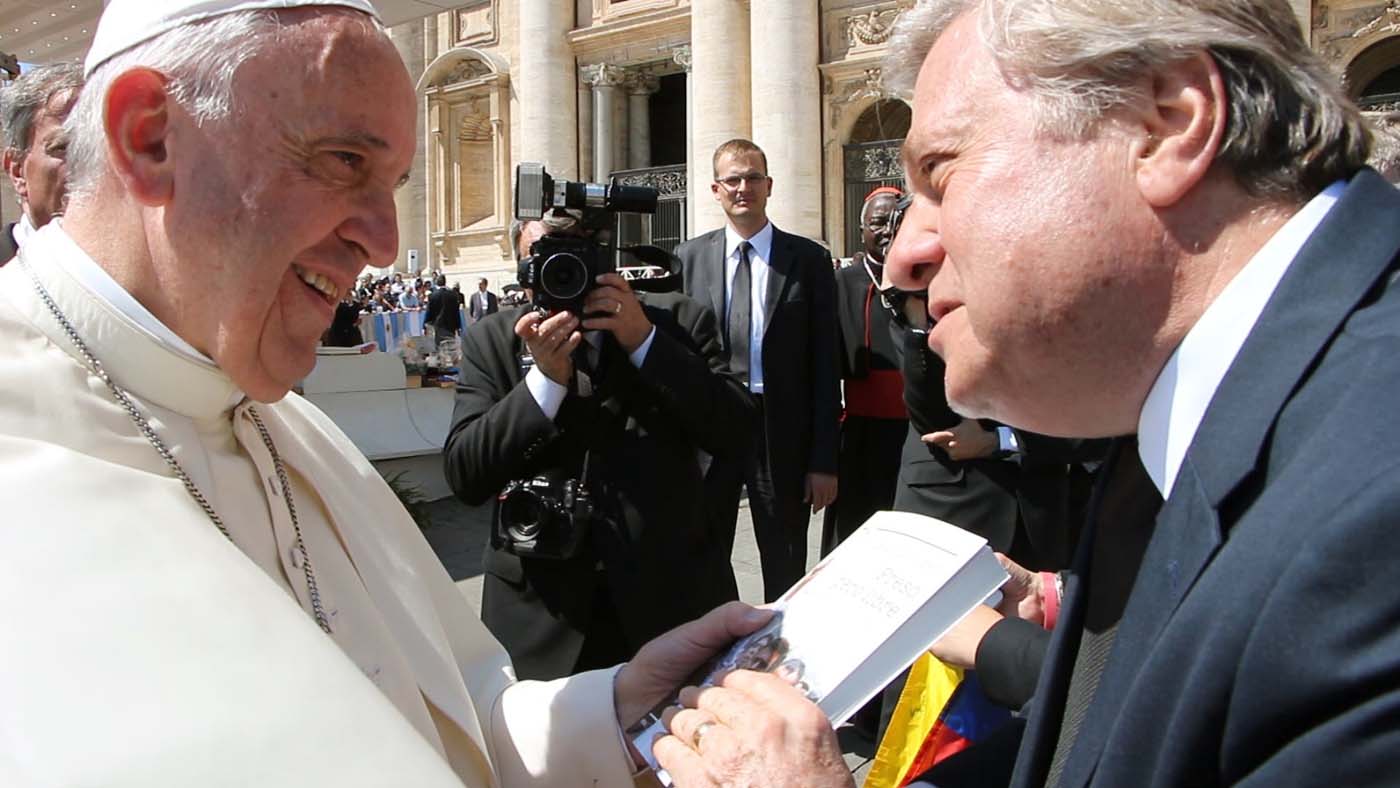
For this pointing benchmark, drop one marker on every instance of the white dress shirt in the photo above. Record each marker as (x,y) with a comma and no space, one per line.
(550,395)
(1184,388)
(760,253)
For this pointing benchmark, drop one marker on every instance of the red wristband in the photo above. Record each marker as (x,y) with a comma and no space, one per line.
(1050,598)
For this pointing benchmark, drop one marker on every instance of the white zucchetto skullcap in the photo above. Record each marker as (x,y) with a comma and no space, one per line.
(126,23)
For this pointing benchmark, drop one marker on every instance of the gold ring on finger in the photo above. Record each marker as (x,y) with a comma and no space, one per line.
(700,731)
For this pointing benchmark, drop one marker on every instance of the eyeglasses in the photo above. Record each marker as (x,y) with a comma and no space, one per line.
(733,182)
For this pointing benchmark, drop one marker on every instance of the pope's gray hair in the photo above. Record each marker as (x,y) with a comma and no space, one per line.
(1290,128)
(199,60)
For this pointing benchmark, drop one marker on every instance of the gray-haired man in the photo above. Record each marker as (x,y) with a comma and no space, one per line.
(32,111)
(1152,217)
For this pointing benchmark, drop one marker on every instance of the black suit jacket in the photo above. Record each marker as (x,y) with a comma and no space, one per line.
(443,314)
(1029,509)
(800,381)
(475,309)
(8,247)
(1259,644)
(646,427)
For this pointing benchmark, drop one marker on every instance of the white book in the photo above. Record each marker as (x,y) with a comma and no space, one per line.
(862,615)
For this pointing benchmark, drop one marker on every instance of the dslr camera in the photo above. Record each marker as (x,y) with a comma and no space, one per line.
(543,517)
(561,269)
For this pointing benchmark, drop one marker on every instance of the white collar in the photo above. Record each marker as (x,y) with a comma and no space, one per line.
(23,229)
(1177,402)
(58,248)
(761,242)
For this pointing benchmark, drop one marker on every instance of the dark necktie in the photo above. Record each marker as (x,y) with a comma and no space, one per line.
(740,316)
(1125,520)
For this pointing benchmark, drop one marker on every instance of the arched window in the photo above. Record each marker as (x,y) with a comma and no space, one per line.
(1373,76)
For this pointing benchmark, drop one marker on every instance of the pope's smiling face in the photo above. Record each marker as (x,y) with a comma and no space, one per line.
(278,208)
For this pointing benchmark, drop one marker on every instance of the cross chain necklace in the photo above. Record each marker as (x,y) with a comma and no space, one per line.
(143,425)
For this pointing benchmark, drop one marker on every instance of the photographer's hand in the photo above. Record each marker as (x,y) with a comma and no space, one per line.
(612,306)
(551,341)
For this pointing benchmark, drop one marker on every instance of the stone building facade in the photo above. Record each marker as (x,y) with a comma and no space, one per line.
(644,90)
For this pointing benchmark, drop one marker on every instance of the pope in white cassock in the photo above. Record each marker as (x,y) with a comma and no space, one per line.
(202,582)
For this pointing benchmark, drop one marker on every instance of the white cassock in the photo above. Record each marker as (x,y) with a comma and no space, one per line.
(139,647)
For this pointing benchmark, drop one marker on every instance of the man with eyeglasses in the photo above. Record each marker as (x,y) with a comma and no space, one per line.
(775,294)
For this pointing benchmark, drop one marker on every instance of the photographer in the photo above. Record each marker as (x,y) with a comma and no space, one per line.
(623,403)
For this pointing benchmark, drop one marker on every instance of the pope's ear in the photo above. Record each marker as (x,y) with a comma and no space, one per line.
(1183,127)
(136,119)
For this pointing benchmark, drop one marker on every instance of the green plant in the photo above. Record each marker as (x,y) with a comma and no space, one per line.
(411,496)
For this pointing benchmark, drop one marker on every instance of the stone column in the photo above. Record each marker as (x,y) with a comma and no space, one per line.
(546,87)
(411,200)
(604,79)
(639,90)
(719,41)
(681,55)
(787,110)
(585,124)
(620,124)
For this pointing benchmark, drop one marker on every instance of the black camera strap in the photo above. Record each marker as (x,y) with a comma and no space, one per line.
(656,257)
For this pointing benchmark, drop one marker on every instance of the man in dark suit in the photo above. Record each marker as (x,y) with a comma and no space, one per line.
(483,303)
(35,146)
(629,415)
(775,295)
(1155,218)
(444,312)
(1231,301)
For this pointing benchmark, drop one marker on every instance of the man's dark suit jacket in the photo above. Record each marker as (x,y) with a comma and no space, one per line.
(8,247)
(800,383)
(475,310)
(443,314)
(1260,643)
(646,425)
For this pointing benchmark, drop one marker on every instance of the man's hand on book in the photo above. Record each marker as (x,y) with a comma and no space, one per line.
(1023,594)
(752,729)
(668,660)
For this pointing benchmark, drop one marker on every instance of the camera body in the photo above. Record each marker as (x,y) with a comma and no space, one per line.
(543,517)
(562,269)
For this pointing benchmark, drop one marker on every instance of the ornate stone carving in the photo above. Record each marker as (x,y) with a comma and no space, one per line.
(465,71)
(1387,21)
(871,29)
(642,83)
(668,181)
(602,75)
(475,125)
(872,86)
(681,55)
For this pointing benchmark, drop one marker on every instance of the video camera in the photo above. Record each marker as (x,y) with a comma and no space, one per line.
(562,269)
